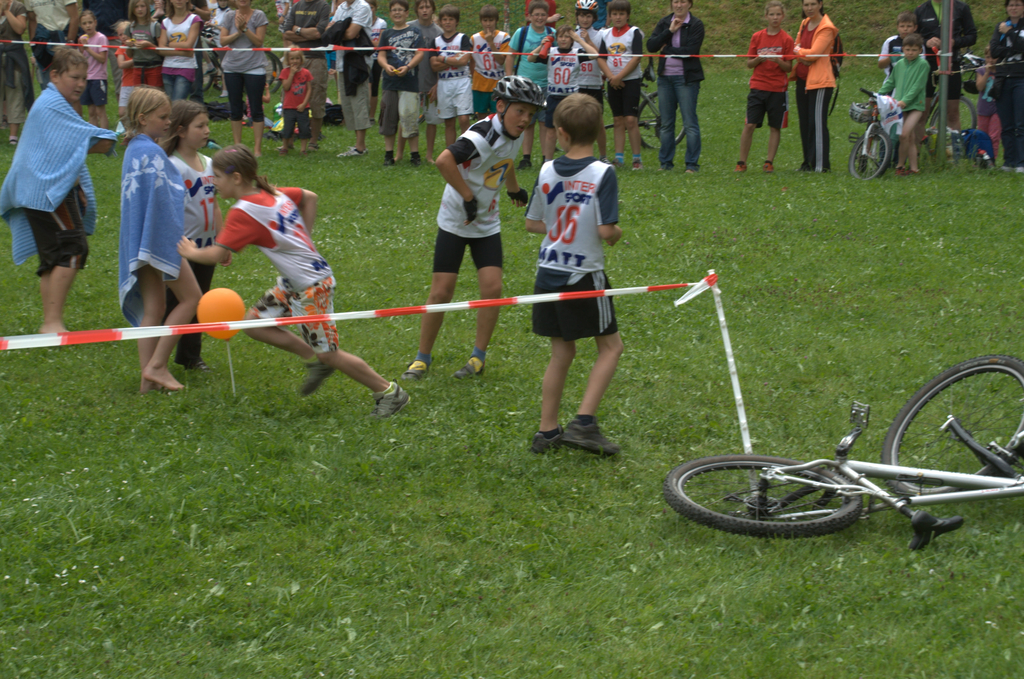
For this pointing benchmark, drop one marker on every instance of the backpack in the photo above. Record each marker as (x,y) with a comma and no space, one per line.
(333,114)
(216,110)
(521,44)
(837,64)
(977,142)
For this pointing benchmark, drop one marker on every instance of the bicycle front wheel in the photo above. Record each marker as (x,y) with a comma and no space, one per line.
(871,154)
(986,394)
(968,115)
(648,119)
(722,492)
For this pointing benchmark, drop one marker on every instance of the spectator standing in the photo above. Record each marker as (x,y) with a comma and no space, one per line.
(356,107)
(525,40)
(427,79)
(16,92)
(375,70)
(988,115)
(245,71)
(108,13)
(201,9)
(1007,46)
(303,28)
(964,34)
(144,34)
(814,84)
(906,23)
(678,81)
(50,21)
(180,29)
(94,47)
(400,104)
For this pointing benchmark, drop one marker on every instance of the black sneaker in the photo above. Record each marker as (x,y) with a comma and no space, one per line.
(588,437)
(542,445)
(388,162)
(524,164)
(415,161)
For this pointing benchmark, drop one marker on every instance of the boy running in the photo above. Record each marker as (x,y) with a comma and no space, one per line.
(475,167)
(575,204)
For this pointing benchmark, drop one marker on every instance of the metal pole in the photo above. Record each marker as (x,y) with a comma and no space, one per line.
(946,32)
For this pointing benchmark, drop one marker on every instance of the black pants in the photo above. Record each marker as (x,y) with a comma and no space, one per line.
(190,346)
(812,108)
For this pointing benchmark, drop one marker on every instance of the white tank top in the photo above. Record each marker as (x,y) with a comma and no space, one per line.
(177,36)
(622,45)
(451,48)
(564,71)
(590,74)
(483,58)
(200,201)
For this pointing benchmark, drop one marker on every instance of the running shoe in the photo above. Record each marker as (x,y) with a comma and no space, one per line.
(768,167)
(352,152)
(473,368)
(389,404)
(543,445)
(740,167)
(415,371)
(637,165)
(588,437)
(524,164)
(316,373)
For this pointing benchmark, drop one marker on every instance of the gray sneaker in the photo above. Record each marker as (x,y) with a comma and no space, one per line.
(389,404)
(316,373)
(588,437)
(415,371)
(351,152)
(543,445)
(472,368)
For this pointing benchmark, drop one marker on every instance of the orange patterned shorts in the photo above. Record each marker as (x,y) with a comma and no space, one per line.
(281,302)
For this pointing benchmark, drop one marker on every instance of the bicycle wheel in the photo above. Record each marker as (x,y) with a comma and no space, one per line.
(871,154)
(986,394)
(275,71)
(968,115)
(213,75)
(648,119)
(721,492)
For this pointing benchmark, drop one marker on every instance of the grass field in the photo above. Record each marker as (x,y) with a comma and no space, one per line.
(204,534)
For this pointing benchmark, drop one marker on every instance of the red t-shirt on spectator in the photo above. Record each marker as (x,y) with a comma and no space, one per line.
(296,94)
(767,75)
(132,76)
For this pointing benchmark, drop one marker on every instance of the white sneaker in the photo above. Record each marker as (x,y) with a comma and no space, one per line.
(1019,170)
(389,404)
(352,151)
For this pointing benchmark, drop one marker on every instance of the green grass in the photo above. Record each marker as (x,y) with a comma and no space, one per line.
(204,534)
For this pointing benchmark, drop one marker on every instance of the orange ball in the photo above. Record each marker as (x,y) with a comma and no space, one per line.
(221,305)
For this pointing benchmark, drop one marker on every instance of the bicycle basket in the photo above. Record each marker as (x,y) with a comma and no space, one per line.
(860,113)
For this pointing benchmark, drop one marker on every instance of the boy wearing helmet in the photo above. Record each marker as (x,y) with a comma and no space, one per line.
(591,80)
(475,167)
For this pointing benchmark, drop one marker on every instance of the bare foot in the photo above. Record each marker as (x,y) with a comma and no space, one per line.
(163,377)
(398,159)
(430,161)
(52,327)
(145,386)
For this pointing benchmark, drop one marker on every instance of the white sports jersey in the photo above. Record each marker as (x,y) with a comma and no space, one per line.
(564,71)
(623,44)
(376,29)
(200,201)
(483,60)
(485,175)
(590,75)
(451,48)
(293,253)
(570,208)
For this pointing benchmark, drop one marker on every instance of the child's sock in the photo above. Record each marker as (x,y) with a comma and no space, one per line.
(420,356)
(620,158)
(636,158)
(391,388)
(552,433)
(586,419)
(479,353)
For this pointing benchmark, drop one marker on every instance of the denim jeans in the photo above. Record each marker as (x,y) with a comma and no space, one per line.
(1010,106)
(673,93)
(177,86)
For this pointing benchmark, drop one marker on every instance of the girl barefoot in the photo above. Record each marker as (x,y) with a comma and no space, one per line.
(152,218)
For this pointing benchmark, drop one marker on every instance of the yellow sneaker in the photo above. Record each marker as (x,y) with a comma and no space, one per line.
(415,371)
(473,368)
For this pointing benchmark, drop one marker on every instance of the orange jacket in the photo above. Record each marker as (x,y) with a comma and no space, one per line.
(820,68)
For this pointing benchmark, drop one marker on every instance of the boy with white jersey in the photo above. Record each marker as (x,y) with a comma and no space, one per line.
(454,85)
(591,80)
(475,167)
(892,48)
(623,74)
(488,65)
(563,77)
(575,204)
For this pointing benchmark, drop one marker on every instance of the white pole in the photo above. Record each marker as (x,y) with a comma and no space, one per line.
(231,368)
(733,375)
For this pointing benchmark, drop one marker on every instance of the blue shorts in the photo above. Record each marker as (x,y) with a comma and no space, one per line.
(549,110)
(95,93)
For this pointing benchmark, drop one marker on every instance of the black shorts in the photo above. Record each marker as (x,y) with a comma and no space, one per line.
(60,237)
(774,104)
(931,86)
(375,72)
(596,94)
(449,250)
(625,101)
(95,93)
(574,319)
(549,110)
(293,117)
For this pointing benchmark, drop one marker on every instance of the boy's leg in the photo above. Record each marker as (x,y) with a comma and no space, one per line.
(746,139)
(609,349)
(63,249)
(442,289)
(449,131)
(908,141)
(548,143)
(354,367)
(562,355)
(620,135)
(54,286)
(774,138)
(489,278)
(634,134)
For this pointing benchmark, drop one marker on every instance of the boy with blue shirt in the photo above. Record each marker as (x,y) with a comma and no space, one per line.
(575,204)
(401,101)
(526,40)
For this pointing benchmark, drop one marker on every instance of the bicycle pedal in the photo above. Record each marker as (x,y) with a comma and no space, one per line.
(927,527)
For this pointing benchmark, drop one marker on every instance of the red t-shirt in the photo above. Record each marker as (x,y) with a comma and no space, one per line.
(767,75)
(295,94)
(806,40)
(132,76)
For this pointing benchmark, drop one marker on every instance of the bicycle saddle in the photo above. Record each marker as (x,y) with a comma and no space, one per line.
(927,526)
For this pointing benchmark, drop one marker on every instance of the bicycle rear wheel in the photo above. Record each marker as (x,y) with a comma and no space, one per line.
(275,71)
(722,492)
(968,115)
(871,154)
(986,394)
(648,119)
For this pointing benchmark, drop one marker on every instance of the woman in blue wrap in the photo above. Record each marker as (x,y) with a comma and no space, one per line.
(152,223)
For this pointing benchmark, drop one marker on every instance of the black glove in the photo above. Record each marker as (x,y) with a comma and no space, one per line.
(520,197)
(470,207)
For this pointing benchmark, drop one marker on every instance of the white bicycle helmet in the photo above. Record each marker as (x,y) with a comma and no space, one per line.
(586,6)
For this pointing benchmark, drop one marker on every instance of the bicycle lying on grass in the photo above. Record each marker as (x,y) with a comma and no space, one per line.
(940,425)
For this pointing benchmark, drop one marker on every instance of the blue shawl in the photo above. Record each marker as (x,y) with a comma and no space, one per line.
(47,164)
(152,220)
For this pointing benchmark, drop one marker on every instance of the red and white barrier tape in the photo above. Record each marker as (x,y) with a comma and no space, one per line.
(114,335)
